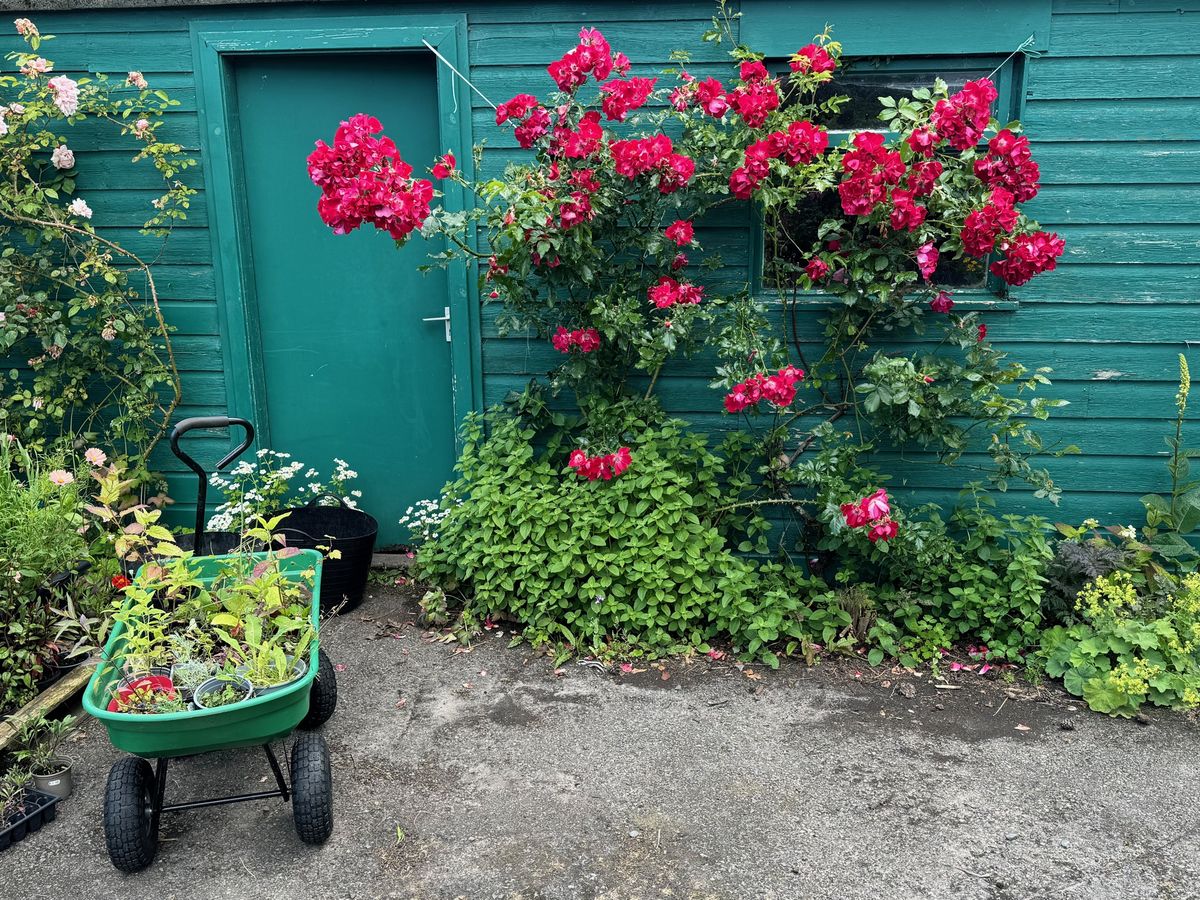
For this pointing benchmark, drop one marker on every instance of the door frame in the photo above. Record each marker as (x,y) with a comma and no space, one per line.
(214,45)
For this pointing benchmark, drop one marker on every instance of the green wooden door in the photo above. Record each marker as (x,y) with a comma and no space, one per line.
(350,369)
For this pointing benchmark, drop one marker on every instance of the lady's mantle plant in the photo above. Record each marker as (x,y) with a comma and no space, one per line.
(78,312)
(598,244)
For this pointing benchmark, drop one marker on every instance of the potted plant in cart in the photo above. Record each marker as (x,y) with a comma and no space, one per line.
(38,744)
(224,690)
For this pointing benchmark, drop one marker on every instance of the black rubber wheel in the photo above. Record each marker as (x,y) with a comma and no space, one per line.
(322,699)
(312,788)
(129,827)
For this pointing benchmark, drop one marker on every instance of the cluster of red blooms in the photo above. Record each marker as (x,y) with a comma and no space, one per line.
(681,232)
(756,97)
(905,214)
(620,98)
(870,167)
(579,143)
(801,143)
(962,118)
(120,582)
(592,56)
(586,339)
(608,466)
(872,510)
(637,156)
(812,58)
(1028,255)
(534,120)
(753,99)
(1009,165)
(363,179)
(983,226)
(576,210)
(922,176)
(778,389)
(668,292)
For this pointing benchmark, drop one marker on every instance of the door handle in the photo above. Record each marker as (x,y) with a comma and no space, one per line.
(445,317)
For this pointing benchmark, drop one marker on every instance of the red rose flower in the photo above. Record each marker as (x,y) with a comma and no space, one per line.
(941,303)
(363,179)
(817,268)
(922,141)
(753,101)
(905,214)
(742,183)
(681,232)
(812,58)
(927,260)
(752,70)
(710,95)
(516,108)
(444,166)
(778,389)
(883,531)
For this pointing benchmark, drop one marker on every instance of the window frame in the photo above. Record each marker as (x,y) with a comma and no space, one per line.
(1009,80)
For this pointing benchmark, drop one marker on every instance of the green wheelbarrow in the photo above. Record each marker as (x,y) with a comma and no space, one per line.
(136,794)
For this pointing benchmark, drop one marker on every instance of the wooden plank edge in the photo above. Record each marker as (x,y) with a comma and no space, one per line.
(45,702)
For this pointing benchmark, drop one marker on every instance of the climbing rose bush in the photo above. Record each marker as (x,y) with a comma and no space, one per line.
(90,357)
(597,244)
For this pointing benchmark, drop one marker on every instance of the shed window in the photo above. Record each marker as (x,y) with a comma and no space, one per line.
(864,81)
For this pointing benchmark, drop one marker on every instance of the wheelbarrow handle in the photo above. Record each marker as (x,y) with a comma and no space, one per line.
(187,425)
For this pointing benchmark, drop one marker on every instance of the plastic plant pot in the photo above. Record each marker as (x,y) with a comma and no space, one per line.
(58,783)
(351,532)
(216,685)
(188,676)
(128,686)
(299,668)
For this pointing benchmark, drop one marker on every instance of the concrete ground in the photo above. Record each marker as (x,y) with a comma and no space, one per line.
(486,774)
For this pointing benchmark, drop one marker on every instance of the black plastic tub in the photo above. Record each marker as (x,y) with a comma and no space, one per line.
(39,809)
(213,543)
(327,528)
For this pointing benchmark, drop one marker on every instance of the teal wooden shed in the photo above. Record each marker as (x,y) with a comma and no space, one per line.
(277,319)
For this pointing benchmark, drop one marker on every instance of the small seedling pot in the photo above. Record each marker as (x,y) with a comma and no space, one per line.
(216,685)
(38,809)
(58,783)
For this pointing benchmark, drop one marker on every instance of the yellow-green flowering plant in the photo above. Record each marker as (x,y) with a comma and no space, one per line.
(1131,647)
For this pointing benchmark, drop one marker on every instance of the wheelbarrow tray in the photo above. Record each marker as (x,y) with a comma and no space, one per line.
(251,723)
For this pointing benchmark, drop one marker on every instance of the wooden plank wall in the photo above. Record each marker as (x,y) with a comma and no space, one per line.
(1112,107)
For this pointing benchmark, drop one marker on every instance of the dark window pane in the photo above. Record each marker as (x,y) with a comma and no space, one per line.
(864,81)
(788,247)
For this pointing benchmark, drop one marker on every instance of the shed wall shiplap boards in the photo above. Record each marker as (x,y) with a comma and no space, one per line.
(1112,109)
